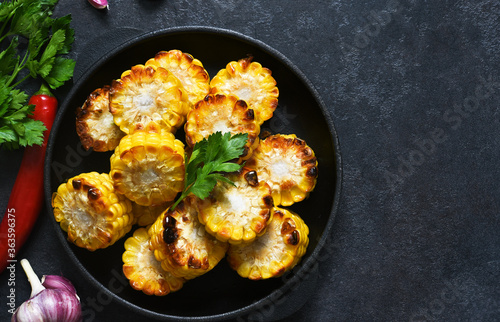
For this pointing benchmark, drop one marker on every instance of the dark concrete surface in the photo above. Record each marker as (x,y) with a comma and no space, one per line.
(413,87)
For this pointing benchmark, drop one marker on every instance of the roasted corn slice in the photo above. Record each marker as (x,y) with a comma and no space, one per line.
(142,269)
(188,70)
(288,165)
(250,82)
(147,215)
(148,98)
(277,251)
(94,123)
(148,167)
(181,243)
(222,113)
(239,213)
(90,211)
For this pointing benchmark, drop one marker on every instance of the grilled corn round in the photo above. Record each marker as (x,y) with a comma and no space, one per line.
(143,270)
(94,123)
(90,211)
(148,167)
(277,251)
(181,243)
(237,213)
(288,165)
(148,98)
(250,82)
(222,113)
(190,72)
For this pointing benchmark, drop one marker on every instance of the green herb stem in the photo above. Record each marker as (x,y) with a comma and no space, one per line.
(19,67)
(4,36)
(183,195)
(6,22)
(21,80)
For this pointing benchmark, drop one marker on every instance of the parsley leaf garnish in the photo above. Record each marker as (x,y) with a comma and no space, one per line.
(34,45)
(211,157)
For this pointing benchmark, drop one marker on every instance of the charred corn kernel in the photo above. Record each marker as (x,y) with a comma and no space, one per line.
(94,123)
(190,72)
(148,98)
(147,215)
(142,269)
(250,82)
(277,251)
(148,167)
(181,243)
(238,213)
(288,165)
(221,113)
(90,211)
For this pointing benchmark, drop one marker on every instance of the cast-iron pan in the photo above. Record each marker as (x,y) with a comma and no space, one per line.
(221,293)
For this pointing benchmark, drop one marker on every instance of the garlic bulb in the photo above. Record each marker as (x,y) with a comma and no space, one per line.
(57,301)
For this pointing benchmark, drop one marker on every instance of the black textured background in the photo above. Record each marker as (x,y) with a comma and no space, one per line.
(413,87)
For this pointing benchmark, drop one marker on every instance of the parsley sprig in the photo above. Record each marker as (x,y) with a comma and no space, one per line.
(211,157)
(34,43)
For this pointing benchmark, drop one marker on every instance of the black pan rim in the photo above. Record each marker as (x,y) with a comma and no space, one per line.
(309,262)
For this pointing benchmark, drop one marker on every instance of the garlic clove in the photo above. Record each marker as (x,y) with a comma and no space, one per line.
(58,282)
(99,4)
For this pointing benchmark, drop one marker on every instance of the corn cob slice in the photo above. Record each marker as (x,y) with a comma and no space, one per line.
(188,70)
(239,213)
(277,251)
(181,243)
(90,211)
(148,98)
(250,82)
(148,167)
(224,114)
(94,123)
(288,165)
(142,269)
(147,215)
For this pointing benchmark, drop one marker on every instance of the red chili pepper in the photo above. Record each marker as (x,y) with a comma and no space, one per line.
(26,198)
